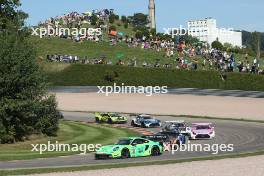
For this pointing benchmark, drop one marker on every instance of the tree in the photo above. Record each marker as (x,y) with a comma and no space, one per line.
(251,40)
(139,35)
(217,45)
(140,19)
(126,25)
(142,30)
(94,19)
(256,43)
(10,17)
(189,39)
(25,106)
(112,18)
(153,32)
(124,19)
(100,23)
(117,17)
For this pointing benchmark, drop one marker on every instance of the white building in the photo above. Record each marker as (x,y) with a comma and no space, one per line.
(206,30)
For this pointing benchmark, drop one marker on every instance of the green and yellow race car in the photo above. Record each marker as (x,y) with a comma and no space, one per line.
(110,118)
(130,148)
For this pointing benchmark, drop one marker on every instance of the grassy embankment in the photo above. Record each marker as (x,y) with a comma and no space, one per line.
(69,133)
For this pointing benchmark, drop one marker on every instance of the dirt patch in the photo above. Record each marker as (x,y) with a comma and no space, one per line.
(223,107)
(226,167)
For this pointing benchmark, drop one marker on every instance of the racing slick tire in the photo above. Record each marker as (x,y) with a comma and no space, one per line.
(109,121)
(97,120)
(125,154)
(155,151)
(143,125)
(133,123)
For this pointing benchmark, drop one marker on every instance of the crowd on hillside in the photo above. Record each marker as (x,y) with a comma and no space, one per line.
(211,60)
(180,55)
(75,19)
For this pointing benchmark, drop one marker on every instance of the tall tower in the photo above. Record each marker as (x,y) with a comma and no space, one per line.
(152,17)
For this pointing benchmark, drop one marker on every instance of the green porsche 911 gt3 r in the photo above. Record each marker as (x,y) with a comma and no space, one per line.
(130,148)
(109,118)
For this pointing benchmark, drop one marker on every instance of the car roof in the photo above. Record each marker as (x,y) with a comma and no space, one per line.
(175,121)
(144,115)
(113,113)
(132,138)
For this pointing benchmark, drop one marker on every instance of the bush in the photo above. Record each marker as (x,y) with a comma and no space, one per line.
(126,25)
(48,121)
(98,76)
(6,136)
(111,76)
(217,45)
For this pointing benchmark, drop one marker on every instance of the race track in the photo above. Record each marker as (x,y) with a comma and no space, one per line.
(246,137)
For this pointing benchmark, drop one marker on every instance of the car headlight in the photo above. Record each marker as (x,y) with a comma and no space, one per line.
(116,149)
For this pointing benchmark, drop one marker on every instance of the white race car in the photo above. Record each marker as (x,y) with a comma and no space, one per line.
(202,131)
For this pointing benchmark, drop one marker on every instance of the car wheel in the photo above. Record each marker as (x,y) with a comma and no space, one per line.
(175,147)
(155,151)
(178,143)
(125,154)
(97,120)
(133,124)
(143,125)
(109,121)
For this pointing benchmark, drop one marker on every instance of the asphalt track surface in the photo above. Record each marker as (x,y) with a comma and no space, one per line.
(246,137)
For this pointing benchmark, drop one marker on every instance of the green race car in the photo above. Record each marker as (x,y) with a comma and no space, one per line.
(110,118)
(130,148)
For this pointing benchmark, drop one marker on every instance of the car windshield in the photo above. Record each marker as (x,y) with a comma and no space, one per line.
(203,127)
(124,142)
(177,125)
(146,117)
(115,115)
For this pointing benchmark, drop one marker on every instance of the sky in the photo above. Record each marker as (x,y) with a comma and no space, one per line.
(237,14)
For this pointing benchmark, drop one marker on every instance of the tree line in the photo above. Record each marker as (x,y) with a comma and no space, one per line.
(26,108)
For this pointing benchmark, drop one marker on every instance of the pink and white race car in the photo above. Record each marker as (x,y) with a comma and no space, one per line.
(202,131)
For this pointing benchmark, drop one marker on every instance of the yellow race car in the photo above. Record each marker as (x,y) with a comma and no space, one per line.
(110,118)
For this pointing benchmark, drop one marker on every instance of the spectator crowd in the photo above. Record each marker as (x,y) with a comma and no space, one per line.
(180,54)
